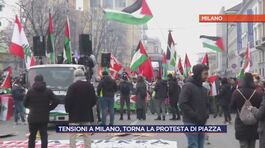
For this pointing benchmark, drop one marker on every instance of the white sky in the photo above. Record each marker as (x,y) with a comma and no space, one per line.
(182,16)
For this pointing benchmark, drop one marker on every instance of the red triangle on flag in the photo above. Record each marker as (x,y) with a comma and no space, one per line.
(205,60)
(220,44)
(145,9)
(187,62)
(180,67)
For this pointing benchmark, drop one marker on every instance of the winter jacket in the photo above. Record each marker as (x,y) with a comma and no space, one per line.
(40,101)
(260,116)
(141,93)
(225,95)
(161,90)
(194,102)
(245,132)
(79,101)
(125,88)
(18,93)
(108,87)
(173,91)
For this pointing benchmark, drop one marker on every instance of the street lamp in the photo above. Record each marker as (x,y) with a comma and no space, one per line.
(227,46)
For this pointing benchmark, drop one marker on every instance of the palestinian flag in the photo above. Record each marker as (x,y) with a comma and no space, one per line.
(180,67)
(7,78)
(136,14)
(171,52)
(246,65)
(20,46)
(6,107)
(139,57)
(50,42)
(212,80)
(187,67)
(212,42)
(146,70)
(164,67)
(205,60)
(67,44)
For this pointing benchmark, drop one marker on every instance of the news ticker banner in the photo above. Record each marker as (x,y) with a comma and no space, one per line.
(141,129)
(155,143)
(221,18)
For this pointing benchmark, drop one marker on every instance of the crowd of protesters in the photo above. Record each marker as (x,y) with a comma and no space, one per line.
(189,99)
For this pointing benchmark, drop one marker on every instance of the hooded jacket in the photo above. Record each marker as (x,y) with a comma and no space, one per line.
(108,87)
(40,101)
(193,99)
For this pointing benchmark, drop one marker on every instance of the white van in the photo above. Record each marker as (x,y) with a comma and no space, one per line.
(58,78)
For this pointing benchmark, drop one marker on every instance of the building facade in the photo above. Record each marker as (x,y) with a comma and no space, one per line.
(238,36)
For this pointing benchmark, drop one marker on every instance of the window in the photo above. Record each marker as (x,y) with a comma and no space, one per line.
(107,3)
(255,34)
(95,3)
(120,3)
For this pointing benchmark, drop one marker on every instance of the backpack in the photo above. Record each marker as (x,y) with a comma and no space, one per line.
(245,115)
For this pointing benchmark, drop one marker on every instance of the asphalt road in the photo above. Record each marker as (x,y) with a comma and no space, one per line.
(226,140)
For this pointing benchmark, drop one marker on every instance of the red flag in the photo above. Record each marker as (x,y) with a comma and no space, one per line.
(146,70)
(7,78)
(205,60)
(180,67)
(115,67)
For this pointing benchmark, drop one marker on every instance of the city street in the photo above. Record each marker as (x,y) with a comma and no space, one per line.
(66,60)
(216,140)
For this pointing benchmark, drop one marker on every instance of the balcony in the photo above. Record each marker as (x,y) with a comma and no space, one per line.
(260,44)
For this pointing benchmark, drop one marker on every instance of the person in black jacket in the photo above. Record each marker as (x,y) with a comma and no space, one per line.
(107,87)
(173,93)
(40,101)
(161,91)
(225,95)
(125,88)
(140,93)
(79,101)
(246,134)
(194,104)
(18,94)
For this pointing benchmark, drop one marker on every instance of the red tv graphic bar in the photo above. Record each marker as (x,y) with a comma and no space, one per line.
(219,18)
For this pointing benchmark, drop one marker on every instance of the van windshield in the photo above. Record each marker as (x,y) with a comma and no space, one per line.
(56,78)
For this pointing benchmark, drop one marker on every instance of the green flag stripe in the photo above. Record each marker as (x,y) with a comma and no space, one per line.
(126,17)
(67,50)
(213,47)
(138,62)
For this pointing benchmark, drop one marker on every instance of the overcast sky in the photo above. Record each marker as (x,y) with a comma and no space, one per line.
(182,16)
